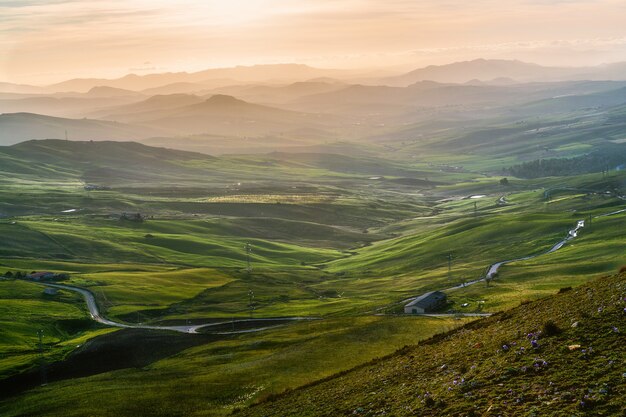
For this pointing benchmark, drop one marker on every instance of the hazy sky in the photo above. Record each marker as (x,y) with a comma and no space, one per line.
(51,40)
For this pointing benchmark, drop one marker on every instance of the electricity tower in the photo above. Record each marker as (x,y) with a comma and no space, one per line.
(248,249)
(251,302)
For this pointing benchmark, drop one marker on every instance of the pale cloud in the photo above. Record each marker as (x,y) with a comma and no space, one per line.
(42,41)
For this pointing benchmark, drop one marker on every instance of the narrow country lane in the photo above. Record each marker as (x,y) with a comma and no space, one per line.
(90,300)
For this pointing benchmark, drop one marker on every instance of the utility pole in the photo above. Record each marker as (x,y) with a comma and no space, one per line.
(42,360)
(449,266)
(248,249)
(251,301)
(475,209)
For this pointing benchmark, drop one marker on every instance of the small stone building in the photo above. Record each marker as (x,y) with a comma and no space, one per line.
(426,303)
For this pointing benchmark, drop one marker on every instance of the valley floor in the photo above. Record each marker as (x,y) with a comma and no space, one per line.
(340,242)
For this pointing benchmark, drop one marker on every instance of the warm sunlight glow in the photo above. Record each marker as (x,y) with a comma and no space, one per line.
(269,208)
(235,12)
(113,37)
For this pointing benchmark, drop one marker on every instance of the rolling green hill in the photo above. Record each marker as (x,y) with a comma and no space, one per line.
(563,355)
(334,237)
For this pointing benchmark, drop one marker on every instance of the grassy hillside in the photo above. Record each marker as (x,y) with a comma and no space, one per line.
(334,237)
(25,310)
(563,355)
(332,234)
(214,378)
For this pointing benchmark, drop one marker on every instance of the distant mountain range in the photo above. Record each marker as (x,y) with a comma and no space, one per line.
(479,71)
(493,69)
(22,89)
(381,100)
(279,94)
(147,108)
(67,104)
(212,78)
(217,115)
(270,115)
(353,111)
(170,115)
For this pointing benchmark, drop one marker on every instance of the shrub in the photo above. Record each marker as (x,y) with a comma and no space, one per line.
(622,269)
(550,329)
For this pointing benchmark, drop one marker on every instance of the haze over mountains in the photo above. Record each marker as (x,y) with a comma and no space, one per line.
(487,70)
(458,72)
(219,114)
(278,106)
(211,77)
(14,127)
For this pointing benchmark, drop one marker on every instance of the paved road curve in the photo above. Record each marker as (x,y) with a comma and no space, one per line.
(90,299)
(493,268)
(97,316)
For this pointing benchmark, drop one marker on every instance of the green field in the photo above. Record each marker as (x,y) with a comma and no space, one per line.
(336,238)
(562,355)
(215,378)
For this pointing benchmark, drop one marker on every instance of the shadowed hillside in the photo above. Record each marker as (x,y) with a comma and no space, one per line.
(17,127)
(94,161)
(562,355)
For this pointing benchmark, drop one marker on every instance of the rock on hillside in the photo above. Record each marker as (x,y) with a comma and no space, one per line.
(562,355)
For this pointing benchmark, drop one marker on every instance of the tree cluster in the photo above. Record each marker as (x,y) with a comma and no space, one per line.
(557,167)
